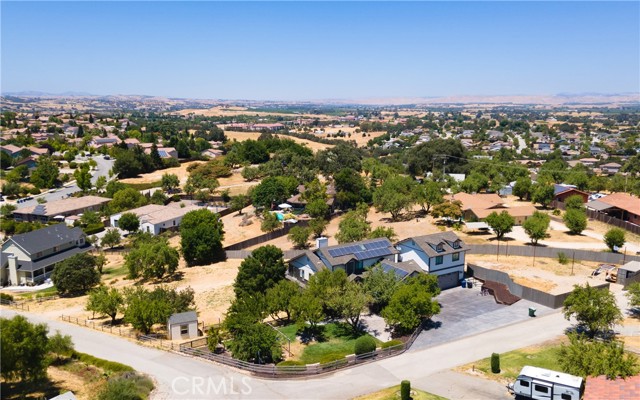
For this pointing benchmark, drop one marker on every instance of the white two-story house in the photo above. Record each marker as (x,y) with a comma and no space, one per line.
(441,254)
(30,257)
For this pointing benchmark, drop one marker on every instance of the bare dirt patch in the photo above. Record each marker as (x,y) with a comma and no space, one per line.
(545,274)
(242,136)
(155,176)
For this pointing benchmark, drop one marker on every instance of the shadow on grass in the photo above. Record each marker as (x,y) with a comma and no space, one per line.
(44,388)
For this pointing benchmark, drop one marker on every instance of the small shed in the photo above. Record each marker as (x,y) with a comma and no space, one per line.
(629,273)
(183,325)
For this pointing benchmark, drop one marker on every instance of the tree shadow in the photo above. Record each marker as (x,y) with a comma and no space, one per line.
(44,388)
(535,245)
(311,333)
(429,325)
(501,240)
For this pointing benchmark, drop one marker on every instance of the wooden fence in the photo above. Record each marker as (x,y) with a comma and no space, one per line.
(604,217)
(266,236)
(20,305)
(197,348)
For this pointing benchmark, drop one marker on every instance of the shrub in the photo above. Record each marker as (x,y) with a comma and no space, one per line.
(562,258)
(495,363)
(73,165)
(105,365)
(34,191)
(615,237)
(391,343)
(93,229)
(329,358)
(6,296)
(556,212)
(365,344)
(405,390)
(129,386)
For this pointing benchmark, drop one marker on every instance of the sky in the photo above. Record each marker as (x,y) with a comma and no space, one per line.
(320,50)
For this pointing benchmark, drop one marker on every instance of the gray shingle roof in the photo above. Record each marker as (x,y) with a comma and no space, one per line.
(183,318)
(46,238)
(428,242)
(56,258)
(342,259)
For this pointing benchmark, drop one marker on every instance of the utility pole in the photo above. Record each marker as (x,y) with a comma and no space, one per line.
(573,261)
(498,250)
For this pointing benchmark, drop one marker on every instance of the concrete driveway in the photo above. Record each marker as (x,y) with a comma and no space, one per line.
(466,312)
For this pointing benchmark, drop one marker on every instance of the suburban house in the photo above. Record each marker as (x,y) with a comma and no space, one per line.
(477,207)
(562,192)
(442,254)
(183,325)
(164,152)
(588,162)
(155,218)
(107,141)
(12,150)
(618,205)
(353,258)
(131,142)
(610,168)
(297,201)
(60,208)
(30,257)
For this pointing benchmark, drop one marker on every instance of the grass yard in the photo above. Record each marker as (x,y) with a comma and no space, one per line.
(511,363)
(335,341)
(51,291)
(393,393)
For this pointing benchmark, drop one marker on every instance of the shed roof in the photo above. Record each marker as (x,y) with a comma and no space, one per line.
(183,318)
(633,266)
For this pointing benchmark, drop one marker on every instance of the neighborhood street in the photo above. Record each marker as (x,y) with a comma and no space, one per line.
(180,377)
(102,170)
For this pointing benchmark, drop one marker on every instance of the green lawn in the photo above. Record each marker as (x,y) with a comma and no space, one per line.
(393,393)
(115,272)
(145,186)
(51,291)
(337,341)
(511,363)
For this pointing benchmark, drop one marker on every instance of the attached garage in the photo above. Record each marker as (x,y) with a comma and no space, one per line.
(447,281)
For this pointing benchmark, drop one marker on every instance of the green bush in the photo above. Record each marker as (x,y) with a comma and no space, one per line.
(106,365)
(92,229)
(127,386)
(495,363)
(563,259)
(6,296)
(391,343)
(556,212)
(34,191)
(73,165)
(365,344)
(405,390)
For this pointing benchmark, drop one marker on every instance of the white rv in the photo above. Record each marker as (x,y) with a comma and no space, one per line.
(545,384)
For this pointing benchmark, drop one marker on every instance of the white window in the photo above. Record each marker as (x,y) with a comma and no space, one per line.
(184,329)
(455,256)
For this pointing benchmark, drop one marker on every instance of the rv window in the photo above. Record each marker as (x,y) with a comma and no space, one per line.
(565,396)
(541,389)
(524,383)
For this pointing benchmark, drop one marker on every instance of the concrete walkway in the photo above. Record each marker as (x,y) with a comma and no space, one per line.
(180,377)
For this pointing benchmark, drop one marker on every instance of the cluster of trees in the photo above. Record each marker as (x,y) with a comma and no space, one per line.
(262,290)
(593,349)
(201,235)
(150,257)
(141,307)
(134,161)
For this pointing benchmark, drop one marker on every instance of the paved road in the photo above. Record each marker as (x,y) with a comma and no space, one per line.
(180,377)
(102,170)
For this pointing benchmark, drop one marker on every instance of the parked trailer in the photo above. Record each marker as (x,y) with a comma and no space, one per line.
(545,384)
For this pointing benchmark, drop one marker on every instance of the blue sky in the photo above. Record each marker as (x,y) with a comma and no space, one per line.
(326,50)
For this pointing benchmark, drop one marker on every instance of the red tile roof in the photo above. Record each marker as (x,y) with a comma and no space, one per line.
(623,201)
(600,388)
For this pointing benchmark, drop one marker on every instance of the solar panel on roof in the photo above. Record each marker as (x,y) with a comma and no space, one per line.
(162,153)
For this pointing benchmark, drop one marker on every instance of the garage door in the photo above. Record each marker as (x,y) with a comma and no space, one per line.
(448,281)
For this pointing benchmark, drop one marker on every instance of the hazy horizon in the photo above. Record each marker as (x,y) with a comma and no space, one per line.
(321,51)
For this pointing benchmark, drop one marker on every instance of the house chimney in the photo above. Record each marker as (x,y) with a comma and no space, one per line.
(322,242)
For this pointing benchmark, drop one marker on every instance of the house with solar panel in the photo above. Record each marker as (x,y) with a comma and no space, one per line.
(354,258)
(164,152)
(442,254)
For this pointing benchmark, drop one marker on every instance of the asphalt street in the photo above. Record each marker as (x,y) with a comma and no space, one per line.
(102,170)
(181,377)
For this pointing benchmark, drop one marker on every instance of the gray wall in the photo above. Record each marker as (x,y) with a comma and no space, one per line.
(551,252)
(524,292)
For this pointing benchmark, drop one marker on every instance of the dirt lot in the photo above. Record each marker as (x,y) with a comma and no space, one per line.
(241,136)
(546,274)
(234,111)
(155,176)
